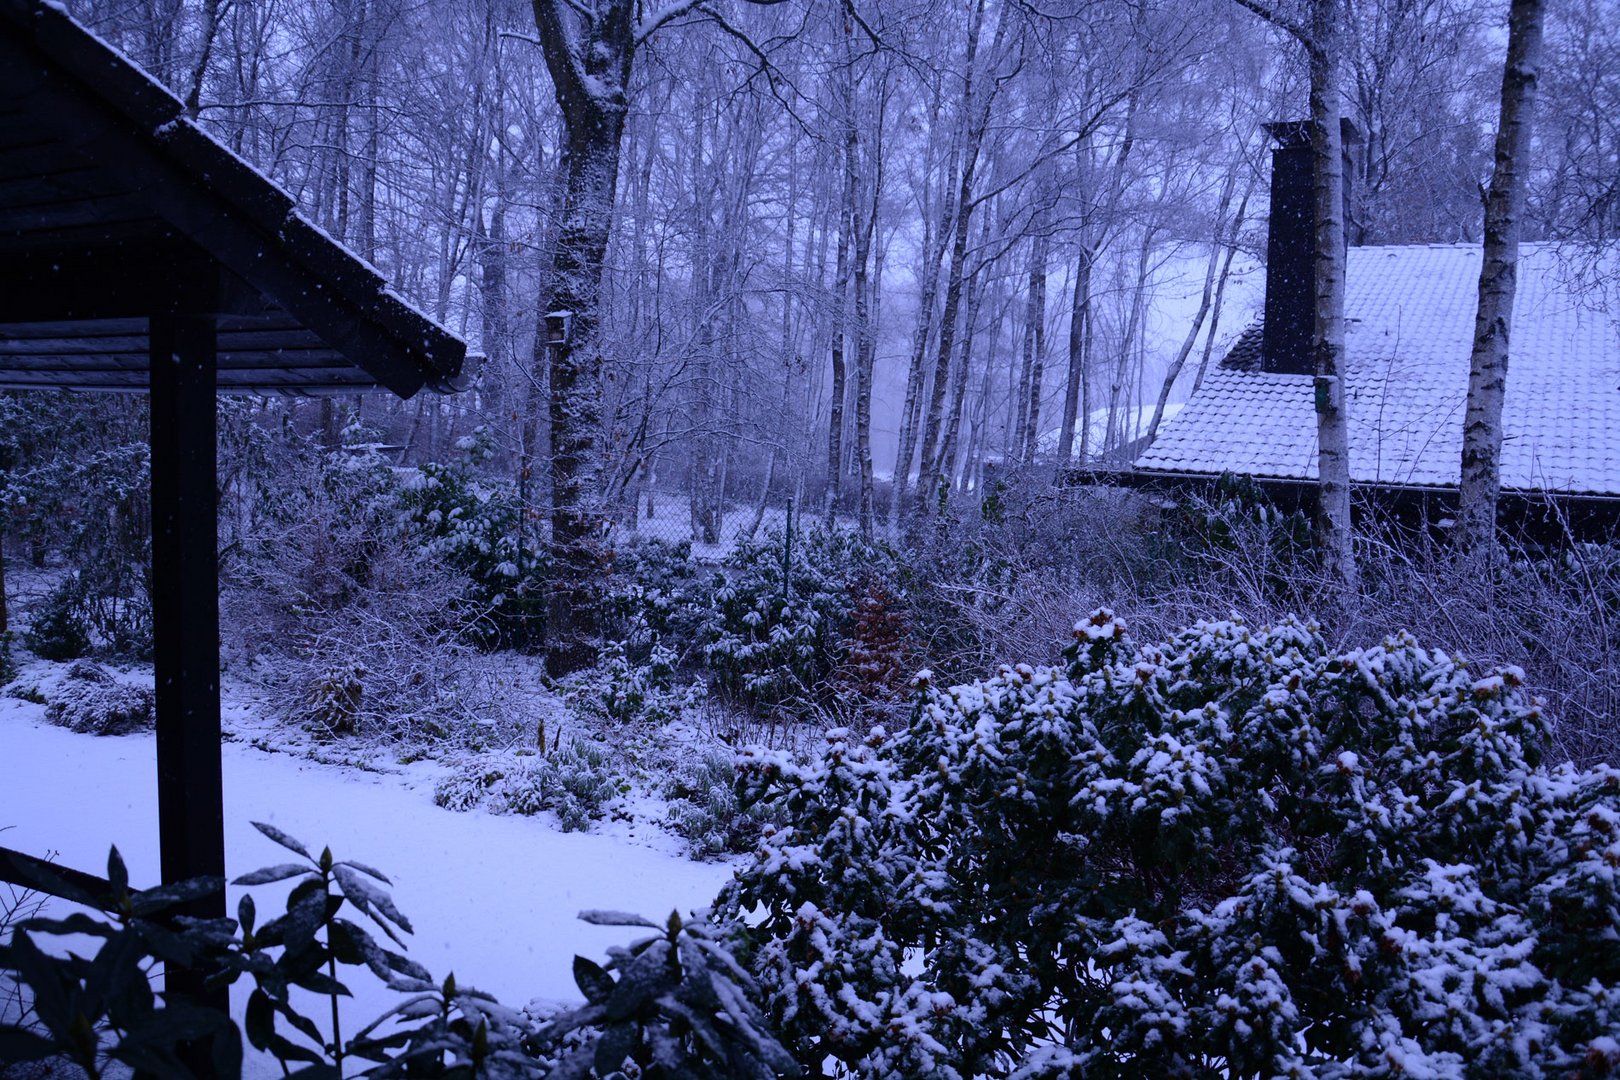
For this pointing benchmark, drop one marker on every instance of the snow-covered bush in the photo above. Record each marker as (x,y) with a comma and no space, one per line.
(369,630)
(1233,852)
(58,629)
(472,524)
(626,690)
(1004,577)
(674,1003)
(471,783)
(656,595)
(577,781)
(782,611)
(90,699)
(73,483)
(706,809)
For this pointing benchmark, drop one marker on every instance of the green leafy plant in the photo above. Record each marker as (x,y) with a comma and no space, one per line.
(59,630)
(782,612)
(90,699)
(474,525)
(576,780)
(674,1004)
(626,690)
(706,808)
(98,1011)
(656,596)
(1232,852)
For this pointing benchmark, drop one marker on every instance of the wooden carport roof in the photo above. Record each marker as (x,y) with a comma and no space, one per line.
(115,206)
(139,254)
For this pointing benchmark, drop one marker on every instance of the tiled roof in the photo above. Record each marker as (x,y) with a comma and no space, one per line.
(1410,313)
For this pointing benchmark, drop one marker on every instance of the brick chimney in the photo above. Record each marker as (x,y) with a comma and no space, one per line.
(1290,312)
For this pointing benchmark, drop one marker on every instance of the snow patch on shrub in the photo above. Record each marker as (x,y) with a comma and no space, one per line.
(92,700)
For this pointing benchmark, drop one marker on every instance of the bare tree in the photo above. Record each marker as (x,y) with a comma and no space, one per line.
(1323,36)
(1498,278)
(590,51)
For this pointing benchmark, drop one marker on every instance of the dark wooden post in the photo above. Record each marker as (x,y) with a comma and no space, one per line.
(185,614)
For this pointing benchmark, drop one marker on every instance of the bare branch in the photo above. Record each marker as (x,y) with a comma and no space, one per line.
(1277,19)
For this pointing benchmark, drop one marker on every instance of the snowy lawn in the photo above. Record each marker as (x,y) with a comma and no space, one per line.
(493,898)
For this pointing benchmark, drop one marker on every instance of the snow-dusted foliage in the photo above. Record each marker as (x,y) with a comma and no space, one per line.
(1234,852)
(472,524)
(622,689)
(704,807)
(780,616)
(656,595)
(90,699)
(98,518)
(371,617)
(577,781)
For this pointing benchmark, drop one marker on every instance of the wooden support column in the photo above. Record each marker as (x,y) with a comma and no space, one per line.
(185,613)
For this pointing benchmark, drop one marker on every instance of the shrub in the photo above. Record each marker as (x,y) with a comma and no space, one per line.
(58,630)
(372,634)
(673,1004)
(1234,852)
(627,691)
(88,500)
(875,665)
(783,610)
(90,700)
(474,526)
(708,811)
(577,781)
(656,595)
(471,784)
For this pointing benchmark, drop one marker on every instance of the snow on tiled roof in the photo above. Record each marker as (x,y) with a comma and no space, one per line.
(1410,323)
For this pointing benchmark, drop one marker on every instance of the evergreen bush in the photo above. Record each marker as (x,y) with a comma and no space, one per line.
(1234,852)
(58,630)
(577,781)
(706,808)
(673,1004)
(782,612)
(473,525)
(91,700)
(656,595)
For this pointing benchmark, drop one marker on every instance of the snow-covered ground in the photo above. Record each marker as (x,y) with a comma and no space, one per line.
(493,898)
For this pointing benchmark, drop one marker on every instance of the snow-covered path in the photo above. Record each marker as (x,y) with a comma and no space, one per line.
(493,897)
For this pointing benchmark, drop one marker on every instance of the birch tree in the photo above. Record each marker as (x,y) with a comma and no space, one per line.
(1321,33)
(1481,480)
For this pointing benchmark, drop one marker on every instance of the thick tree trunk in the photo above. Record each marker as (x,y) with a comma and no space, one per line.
(1332,404)
(936,227)
(1481,480)
(590,89)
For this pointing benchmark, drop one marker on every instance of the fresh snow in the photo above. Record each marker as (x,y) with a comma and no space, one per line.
(495,899)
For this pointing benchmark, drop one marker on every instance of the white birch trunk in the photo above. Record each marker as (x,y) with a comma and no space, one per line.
(1481,479)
